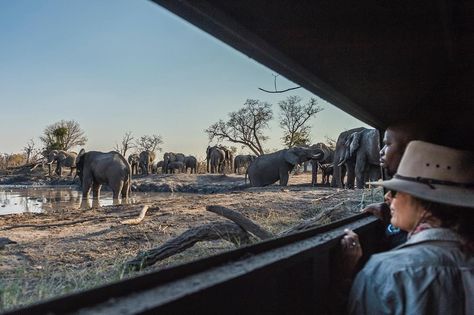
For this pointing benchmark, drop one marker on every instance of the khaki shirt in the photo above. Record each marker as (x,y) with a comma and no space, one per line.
(429,274)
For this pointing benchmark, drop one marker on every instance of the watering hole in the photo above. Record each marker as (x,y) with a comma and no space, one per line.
(18,199)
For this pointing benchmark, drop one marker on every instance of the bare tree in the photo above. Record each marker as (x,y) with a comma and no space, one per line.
(29,148)
(293,119)
(244,126)
(149,143)
(63,135)
(330,142)
(126,144)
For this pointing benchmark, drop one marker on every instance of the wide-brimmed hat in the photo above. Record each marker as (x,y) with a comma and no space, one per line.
(435,173)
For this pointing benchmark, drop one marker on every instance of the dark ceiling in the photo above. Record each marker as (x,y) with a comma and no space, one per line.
(379,60)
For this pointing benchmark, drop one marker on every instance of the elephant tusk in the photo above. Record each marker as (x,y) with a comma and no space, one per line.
(341,163)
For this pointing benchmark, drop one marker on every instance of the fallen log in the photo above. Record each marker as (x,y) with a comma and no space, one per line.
(213,231)
(237,232)
(312,222)
(242,221)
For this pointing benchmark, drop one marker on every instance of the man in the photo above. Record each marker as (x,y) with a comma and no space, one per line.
(395,140)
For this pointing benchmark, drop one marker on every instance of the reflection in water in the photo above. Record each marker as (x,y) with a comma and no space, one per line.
(44,199)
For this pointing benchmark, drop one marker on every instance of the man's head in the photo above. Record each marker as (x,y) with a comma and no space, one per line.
(395,140)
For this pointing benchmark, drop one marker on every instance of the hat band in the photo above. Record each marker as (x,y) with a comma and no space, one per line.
(430,181)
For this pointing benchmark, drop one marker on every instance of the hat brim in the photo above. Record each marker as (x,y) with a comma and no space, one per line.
(450,195)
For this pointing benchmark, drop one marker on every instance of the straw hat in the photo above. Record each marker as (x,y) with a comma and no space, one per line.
(435,173)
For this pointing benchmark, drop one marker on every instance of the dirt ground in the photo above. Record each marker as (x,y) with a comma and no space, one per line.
(71,249)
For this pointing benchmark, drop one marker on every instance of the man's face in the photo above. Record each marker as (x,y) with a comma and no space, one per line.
(392,151)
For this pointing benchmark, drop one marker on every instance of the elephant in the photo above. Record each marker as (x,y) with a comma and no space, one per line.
(243,161)
(215,157)
(176,166)
(146,159)
(96,168)
(170,157)
(326,171)
(191,163)
(363,149)
(228,158)
(134,161)
(62,158)
(328,157)
(341,169)
(269,168)
(157,166)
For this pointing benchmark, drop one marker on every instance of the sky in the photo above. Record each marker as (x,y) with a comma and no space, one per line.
(129,65)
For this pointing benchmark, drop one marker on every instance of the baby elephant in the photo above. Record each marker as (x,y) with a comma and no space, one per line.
(176,166)
(326,171)
(98,168)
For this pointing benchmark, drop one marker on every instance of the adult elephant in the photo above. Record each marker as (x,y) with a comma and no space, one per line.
(191,163)
(269,168)
(134,161)
(328,157)
(146,160)
(228,158)
(340,170)
(243,161)
(62,159)
(362,147)
(96,168)
(170,157)
(215,157)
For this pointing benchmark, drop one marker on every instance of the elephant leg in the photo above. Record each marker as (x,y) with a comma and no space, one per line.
(125,189)
(86,187)
(117,189)
(360,172)
(342,174)
(96,190)
(350,168)
(284,176)
(58,170)
(314,174)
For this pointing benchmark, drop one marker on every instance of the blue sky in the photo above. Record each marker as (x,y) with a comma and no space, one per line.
(128,65)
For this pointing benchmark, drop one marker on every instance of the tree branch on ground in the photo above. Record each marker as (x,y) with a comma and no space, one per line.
(294,117)
(237,232)
(244,126)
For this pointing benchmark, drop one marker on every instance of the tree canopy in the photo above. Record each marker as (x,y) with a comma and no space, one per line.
(294,118)
(244,126)
(63,135)
(149,143)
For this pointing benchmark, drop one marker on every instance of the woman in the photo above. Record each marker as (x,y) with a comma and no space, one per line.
(433,272)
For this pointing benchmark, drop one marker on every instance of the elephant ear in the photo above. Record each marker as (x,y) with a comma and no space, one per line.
(355,142)
(81,153)
(291,157)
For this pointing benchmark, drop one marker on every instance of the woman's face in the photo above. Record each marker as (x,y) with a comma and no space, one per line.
(405,211)
(392,151)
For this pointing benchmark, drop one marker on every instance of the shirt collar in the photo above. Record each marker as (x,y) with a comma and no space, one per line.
(433,234)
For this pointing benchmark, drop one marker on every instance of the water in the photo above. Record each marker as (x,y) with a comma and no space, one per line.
(14,199)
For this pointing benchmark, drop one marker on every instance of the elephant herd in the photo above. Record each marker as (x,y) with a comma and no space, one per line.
(356,154)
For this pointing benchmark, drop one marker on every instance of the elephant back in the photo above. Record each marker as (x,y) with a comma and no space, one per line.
(328,153)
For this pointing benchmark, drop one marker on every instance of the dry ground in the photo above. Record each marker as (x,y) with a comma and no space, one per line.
(73,249)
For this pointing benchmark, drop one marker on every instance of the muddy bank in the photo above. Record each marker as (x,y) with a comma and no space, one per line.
(186,183)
